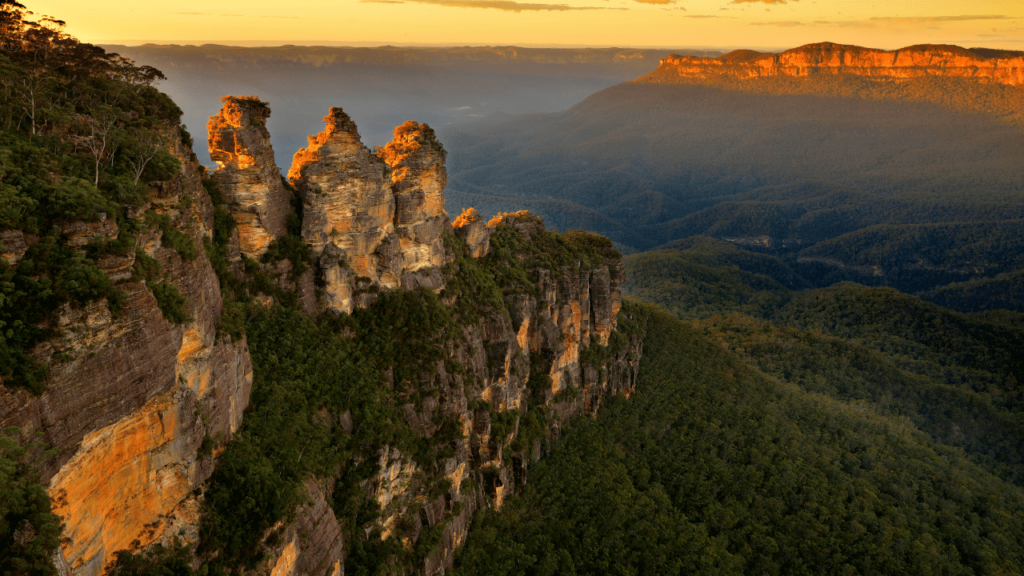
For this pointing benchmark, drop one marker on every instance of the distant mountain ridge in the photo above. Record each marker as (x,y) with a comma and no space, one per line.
(318,56)
(980,64)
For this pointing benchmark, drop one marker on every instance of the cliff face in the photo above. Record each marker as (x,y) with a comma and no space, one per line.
(418,177)
(836,59)
(131,397)
(348,209)
(251,181)
(372,218)
(139,408)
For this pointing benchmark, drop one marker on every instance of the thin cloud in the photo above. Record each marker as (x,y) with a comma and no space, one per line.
(505,5)
(929,19)
(880,21)
(760,1)
(783,23)
(656,1)
(206,14)
(703,16)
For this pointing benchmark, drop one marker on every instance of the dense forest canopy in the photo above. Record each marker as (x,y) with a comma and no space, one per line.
(721,466)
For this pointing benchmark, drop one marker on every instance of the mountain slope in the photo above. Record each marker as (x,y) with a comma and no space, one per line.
(778,162)
(716,467)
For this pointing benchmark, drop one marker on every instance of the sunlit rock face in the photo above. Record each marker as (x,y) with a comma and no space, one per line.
(372,219)
(130,398)
(418,175)
(836,59)
(471,227)
(240,145)
(347,203)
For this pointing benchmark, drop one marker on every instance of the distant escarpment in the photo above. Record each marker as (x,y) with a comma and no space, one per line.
(974,79)
(1001,67)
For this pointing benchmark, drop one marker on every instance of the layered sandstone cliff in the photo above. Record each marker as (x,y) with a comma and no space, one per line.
(138,407)
(418,177)
(248,176)
(134,405)
(551,347)
(837,59)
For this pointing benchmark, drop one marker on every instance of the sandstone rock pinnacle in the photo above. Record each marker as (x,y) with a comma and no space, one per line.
(347,200)
(240,145)
(418,175)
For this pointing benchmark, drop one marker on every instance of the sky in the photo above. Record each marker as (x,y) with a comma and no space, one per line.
(758,24)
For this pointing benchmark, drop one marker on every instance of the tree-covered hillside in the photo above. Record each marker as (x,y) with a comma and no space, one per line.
(719,467)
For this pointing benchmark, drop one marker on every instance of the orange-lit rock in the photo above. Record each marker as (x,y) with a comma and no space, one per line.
(471,227)
(240,145)
(348,201)
(417,161)
(122,482)
(375,218)
(836,59)
(130,397)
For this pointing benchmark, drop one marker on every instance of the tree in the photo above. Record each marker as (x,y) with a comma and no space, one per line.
(103,127)
(141,149)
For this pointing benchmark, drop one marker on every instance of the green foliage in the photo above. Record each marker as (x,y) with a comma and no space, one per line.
(172,238)
(515,258)
(922,338)
(1004,291)
(715,467)
(951,415)
(692,285)
(48,276)
(157,560)
(172,303)
(471,284)
(307,375)
(146,268)
(72,118)
(291,248)
(29,531)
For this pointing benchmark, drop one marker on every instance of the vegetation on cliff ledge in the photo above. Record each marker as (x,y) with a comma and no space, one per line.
(81,133)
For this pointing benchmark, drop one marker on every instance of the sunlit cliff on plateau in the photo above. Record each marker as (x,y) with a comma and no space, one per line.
(980,64)
(968,79)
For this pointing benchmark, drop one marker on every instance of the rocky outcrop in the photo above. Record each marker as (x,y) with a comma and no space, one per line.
(552,348)
(348,205)
(240,145)
(837,59)
(13,245)
(137,407)
(131,398)
(372,217)
(418,176)
(470,226)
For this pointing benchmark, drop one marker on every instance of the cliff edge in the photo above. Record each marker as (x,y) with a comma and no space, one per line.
(826,58)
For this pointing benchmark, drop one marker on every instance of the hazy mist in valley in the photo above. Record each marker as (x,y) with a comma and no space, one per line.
(381,88)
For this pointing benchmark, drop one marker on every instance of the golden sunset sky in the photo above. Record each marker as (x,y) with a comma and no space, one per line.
(624,23)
